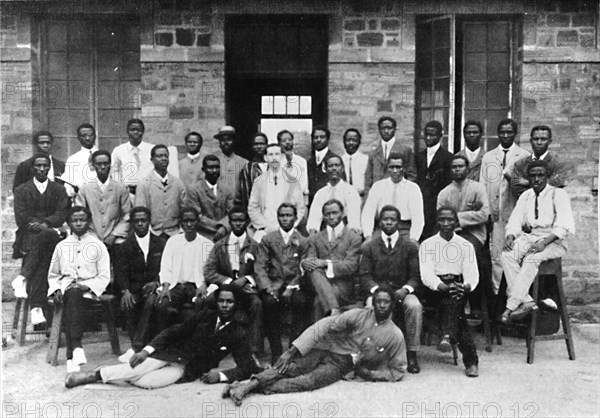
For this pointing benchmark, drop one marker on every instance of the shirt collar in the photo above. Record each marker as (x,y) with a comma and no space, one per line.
(542,157)
(472,155)
(394,237)
(193,157)
(105,184)
(389,144)
(210,186)
(321,154)
(433,150)
(286,235)
(162,179)
(39,184)
(512,147)
(131,147)
(144,239)
(233,239)
(338,229)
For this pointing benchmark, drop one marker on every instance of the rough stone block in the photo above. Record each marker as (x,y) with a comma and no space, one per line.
(203,40)
(182,82)
(384,105)
(185,37)
(567,38)
(558,20)
(586,40)
(390,24)
(373,89)
(580,20)
(184,112)
(370,39)
(561,84)
(154,111)
(373,24)
(354,24)
(349,41)
(163,38)
(545,39)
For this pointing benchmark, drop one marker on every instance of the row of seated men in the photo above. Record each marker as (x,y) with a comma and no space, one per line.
(263,203)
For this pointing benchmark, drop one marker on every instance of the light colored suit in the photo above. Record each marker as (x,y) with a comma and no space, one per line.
(213,210)
(164,202)
(475,166)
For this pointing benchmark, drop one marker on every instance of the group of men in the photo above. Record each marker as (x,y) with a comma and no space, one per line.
(208,256)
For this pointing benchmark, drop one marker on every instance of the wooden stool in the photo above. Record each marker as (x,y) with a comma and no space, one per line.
(20,318)
(552,267)
(107,306)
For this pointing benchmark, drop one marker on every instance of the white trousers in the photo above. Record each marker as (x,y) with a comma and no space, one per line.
(149,374)
(496,245)
(520,269)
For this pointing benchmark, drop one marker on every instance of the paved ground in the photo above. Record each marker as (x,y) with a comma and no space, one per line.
(507,386)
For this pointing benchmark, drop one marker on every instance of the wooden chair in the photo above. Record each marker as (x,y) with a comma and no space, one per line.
(20,318)
(548,268)
(107,307)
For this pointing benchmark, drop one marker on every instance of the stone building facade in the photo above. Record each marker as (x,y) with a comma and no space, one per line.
(182,76)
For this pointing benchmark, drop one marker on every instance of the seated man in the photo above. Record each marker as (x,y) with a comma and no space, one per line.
(80,269)
(332,261)
(336,188)
(278,278)
(185,352)
(232,261)
(182,269)
(535,232)
(393,261)
(449,270)
(40,206)
(212,199)
(136,268)
(365,340)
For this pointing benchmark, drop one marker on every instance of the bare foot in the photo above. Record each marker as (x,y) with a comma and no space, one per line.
(228,387)
(237,394)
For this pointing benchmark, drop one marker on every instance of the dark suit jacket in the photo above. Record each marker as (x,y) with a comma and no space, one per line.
(397,268)
(132,271)
(199,347)
(344,253)
(213,210)
(377,166)
(432,180)
(244,187)
(31,206)
(475,166)
(317,176)
(558,173)
(24,171)
(218,267)
(278,264)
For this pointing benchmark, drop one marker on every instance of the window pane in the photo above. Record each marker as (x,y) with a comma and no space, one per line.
(293,105)
(130,97)
(475,67)
(57,66)
(279,105)
(305,105)
(108,66)
(498,35)
(108,95)
(266,105)
(57,36)
(79,36)
(474,37)
(441,62)
(424,66)
(475,95)
(497,96)
(442,92)
(498,66)
(79,67)
(80,94)
(300,128)
(441,33)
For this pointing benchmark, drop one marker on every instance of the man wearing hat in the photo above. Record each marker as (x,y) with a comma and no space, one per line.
(231,163)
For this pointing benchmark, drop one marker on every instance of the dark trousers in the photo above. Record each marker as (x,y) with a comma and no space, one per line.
(317,369)
(452,321)
(273,311)
(330,293)
(169,311)
(141,327)
(484,265)
(74,318)
(37,250)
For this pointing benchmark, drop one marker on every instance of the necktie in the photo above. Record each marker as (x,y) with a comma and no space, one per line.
(332,194)
(164,183)
(394,194)
(350,170)
(389,244)
(332,234)
(275,179)
(136,156)
(504,158)
(535,209)
(214,190)
(90,157)
(385,152)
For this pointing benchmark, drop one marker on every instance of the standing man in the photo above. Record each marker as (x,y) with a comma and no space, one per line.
(131,161)
(211,199)
(270,190)
(190,166)
(336,188)
(40,206)
(108,201)
(393,261)
(496,167)
(317,170)
(332,262)
(473,151)
(136,268)
(433,173)
(231,163)
(251,170)
(541,138)
(80,268)
(78,170)
(535,232)
(278,277)
(378,158)
(355,162)
(295,167)
(42,142)
(182,269)
(449,270)
(162,193)
(399,192)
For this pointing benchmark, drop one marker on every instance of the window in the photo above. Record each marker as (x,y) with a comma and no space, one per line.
(464,70)
(293,113)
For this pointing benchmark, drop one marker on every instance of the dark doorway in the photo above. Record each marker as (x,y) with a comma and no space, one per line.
(276,76)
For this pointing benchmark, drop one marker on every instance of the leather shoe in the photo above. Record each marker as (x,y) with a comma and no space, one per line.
(445,345)
(413,366)
(505,317)
(522,311)
(548,305)
(472,371)
(79,378)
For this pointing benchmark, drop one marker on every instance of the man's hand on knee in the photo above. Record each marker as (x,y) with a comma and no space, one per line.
(211,377)
(138,358)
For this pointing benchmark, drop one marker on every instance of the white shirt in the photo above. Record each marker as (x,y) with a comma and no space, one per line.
(297,171)
(431,152)
(41,186)
(144,243)
(104,185)
(234,256)
(387,147)
(406,196)
(125,167)
(162,179)
(286,235)
(275,193)
(338,231)
(343,192)
(472,155)
(79,170)
(183,261)
(438,257)
(542,157)
(193,157)
(319,155)
(359,162)
(393,237)
(213,187)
